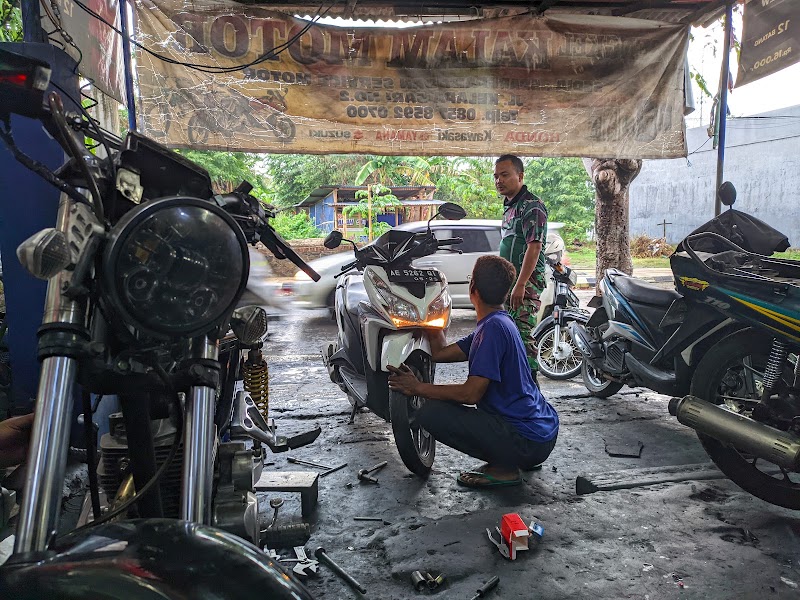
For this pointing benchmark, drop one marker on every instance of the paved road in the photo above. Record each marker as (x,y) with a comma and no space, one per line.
(696,539)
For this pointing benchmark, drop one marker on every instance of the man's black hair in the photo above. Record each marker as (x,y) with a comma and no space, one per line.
(515,160)
(493,277)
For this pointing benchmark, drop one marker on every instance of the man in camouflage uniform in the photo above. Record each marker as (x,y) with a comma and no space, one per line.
(524,233)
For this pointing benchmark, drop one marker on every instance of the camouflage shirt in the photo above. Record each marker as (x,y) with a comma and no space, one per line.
(525,221)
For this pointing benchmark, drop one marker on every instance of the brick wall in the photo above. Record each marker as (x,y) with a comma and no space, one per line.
(307,249)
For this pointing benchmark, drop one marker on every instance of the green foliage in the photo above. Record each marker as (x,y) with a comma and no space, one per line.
(564,186)
(229,169)
(295,176)
(382,199)
(294,227)
(469,182)
(10,21)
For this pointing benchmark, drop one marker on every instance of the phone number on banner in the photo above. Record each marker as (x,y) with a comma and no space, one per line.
(428,112)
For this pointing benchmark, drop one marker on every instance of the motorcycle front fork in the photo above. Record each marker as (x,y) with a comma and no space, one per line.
(49,441)
(198,442)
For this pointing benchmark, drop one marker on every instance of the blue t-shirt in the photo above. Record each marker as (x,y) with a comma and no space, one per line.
(496,352)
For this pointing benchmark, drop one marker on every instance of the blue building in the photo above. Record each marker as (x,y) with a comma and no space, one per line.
(325,206)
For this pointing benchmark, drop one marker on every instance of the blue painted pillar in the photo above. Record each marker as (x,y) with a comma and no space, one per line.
(28,204)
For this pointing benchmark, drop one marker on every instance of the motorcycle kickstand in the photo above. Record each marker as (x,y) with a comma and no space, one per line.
(353,414)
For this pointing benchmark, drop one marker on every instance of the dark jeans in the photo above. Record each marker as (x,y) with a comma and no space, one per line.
(481,435)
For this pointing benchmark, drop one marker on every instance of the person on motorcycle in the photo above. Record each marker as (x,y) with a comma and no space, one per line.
(498,414)
(524,234)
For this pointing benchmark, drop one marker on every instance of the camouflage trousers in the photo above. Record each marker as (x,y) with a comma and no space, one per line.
(525,318)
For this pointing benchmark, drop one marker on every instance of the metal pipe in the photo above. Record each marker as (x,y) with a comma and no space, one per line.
(44,475)
(723,104)
(198,443)
(126,61)
(746,435)
(136,412)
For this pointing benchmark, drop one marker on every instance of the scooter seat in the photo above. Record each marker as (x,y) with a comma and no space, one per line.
(641,291)
(356,292)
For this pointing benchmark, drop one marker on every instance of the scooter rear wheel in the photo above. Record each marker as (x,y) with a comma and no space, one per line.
(596,383)
(416,446)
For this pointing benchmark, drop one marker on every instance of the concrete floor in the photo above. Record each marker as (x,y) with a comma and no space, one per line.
(695,539)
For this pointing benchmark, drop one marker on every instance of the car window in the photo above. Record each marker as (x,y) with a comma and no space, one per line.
(493,235)
(475,240)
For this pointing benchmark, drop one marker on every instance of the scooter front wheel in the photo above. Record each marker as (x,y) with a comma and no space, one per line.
(416,446)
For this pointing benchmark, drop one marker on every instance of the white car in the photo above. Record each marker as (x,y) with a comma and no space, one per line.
(481,236)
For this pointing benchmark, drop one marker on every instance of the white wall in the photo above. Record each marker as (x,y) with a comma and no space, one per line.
(762,159)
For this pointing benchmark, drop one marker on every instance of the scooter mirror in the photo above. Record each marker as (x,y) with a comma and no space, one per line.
(333,240)
(727,193)
(452,212)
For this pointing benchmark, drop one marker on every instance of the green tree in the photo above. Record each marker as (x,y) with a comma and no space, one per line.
(566,189)
(372,202)
(228,169)
(293,227)
(295,176)
(470,183)
(10,21)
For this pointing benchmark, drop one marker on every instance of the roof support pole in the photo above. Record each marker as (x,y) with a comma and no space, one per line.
(126,61)
(723,104)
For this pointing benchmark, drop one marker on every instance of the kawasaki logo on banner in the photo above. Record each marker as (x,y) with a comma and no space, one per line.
(770,38)
(572,85)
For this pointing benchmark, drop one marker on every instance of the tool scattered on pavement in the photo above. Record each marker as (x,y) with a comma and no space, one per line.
(323,557)
(305,566)
(381,519)
(364,474)
(486,588)
(327,469)
(435,582)
(419,580)
(515,535)
(286,536)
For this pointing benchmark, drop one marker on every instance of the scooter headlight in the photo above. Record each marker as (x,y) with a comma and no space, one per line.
(439,312)
(401,312)
(175,267)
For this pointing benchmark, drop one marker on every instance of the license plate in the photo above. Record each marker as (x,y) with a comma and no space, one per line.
(414,275)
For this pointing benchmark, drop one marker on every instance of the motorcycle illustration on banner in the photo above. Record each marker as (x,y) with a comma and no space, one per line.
(725,342)
(382,308)
(145,268)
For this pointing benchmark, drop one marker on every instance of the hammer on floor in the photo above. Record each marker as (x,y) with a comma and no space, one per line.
(364,474)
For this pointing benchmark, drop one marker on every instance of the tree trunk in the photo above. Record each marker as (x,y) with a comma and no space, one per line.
(612,178)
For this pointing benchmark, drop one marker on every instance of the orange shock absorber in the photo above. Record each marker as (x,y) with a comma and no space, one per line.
(256,381)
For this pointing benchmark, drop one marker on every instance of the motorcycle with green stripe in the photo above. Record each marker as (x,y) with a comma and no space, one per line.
(145,267)
(727,339)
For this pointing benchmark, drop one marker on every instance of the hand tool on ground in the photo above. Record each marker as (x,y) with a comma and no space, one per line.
(344,575)
(419,580)
(364,474)
(275,504)
(381,519)
(305,566)
(327,469)
(486,588)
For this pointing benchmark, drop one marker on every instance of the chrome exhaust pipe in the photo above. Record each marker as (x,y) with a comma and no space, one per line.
(746,435)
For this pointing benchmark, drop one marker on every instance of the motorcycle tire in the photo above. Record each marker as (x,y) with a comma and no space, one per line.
(417,447)
(555,369)
(602,388)
(708,378)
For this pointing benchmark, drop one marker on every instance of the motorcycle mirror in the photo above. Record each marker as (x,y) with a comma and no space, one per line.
(452,211)
(249,324)
(333,240)
(727,193)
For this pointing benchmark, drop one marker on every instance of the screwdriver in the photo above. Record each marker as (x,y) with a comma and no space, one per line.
(486,588)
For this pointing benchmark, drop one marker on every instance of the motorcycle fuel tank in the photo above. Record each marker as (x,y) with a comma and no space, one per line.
(150,559)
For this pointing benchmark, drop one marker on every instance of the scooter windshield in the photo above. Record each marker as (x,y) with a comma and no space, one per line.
(392,246)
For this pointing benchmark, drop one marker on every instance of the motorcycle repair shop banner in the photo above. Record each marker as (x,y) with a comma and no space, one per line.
(770,29)
(572,85)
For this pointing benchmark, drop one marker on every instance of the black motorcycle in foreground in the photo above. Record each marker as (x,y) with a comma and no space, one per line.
(729,335)
(145,267)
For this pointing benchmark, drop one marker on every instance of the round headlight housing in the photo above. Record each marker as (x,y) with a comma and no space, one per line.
(175,267)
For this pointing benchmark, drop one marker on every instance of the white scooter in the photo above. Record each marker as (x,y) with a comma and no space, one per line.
(382,313)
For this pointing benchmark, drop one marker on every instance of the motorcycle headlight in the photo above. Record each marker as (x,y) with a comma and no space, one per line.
(401,312)
(439,312)
(175,267)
